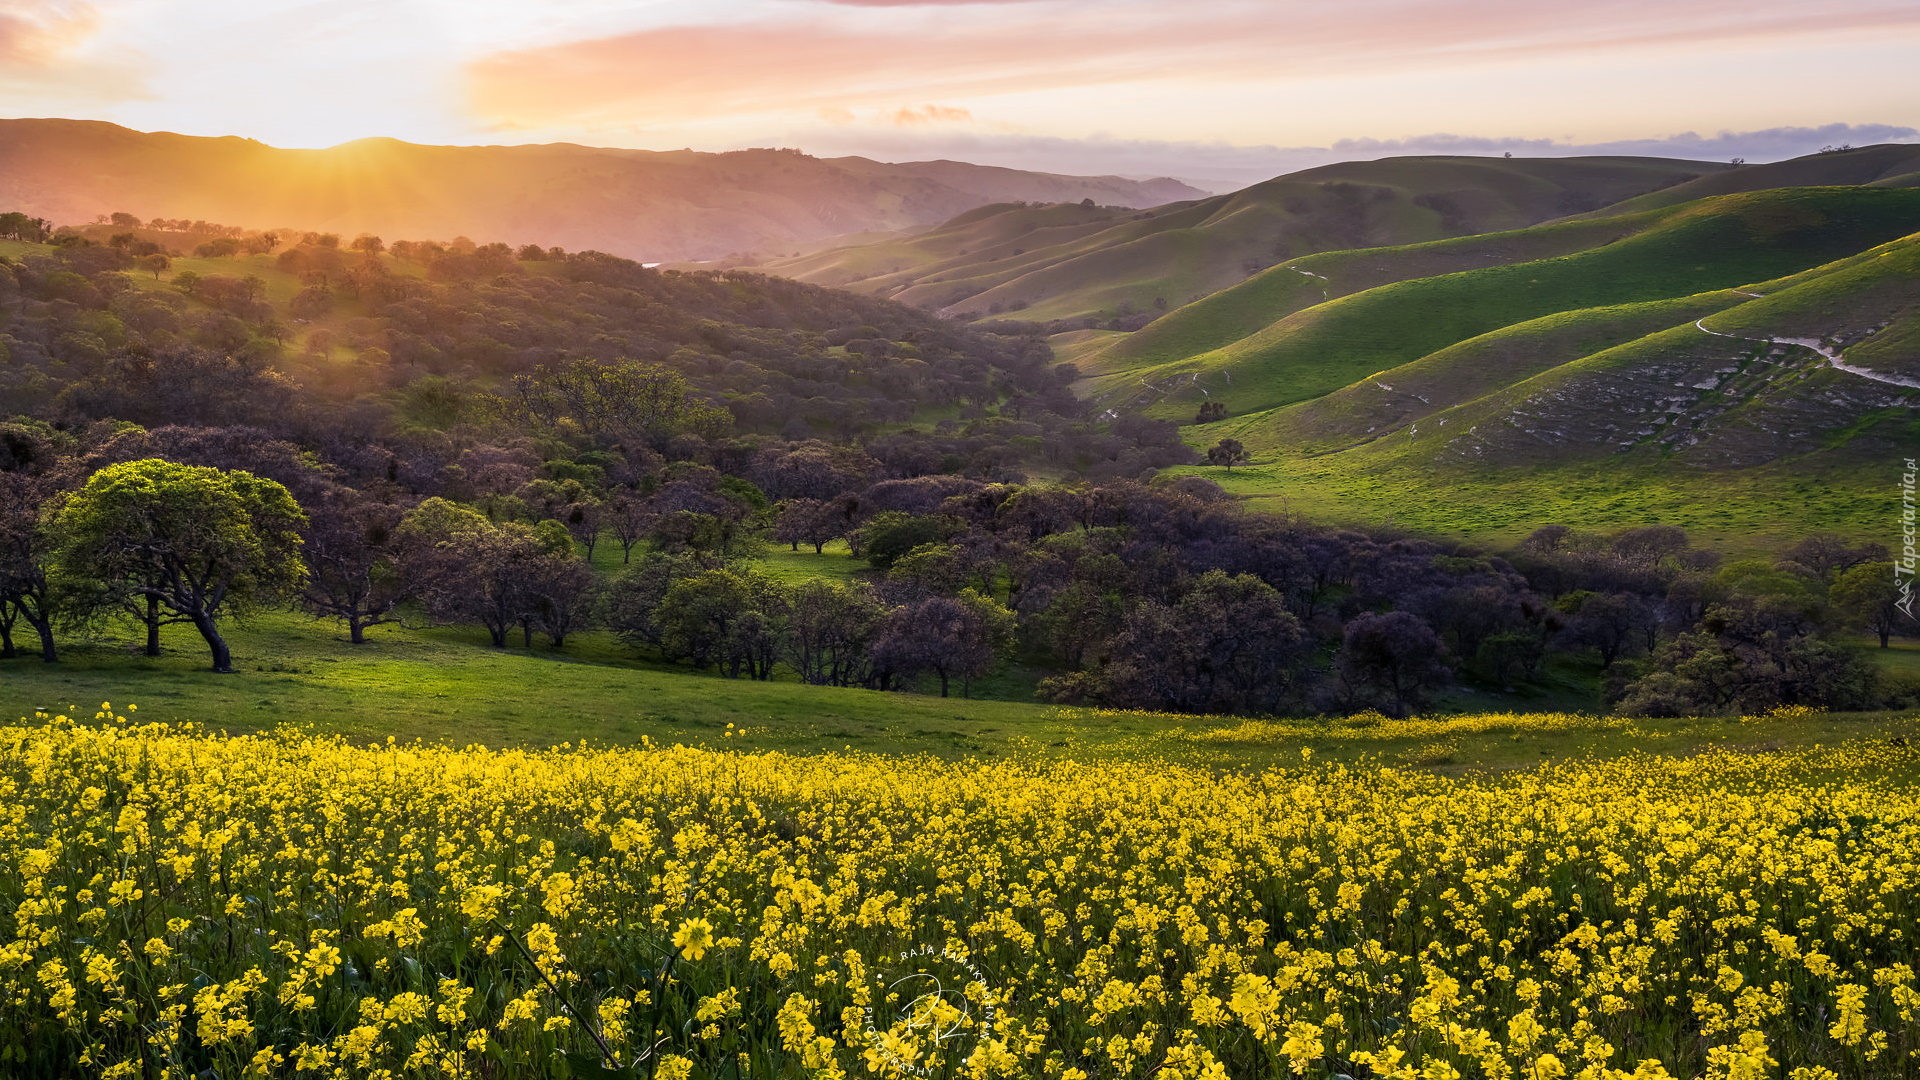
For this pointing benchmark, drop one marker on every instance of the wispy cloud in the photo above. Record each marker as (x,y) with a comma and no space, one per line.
(919,3)
(44,64)
(922,115)
(827,54)
(37,34)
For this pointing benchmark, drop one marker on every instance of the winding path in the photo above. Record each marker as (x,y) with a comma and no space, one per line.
(1325,291)
(1831,356)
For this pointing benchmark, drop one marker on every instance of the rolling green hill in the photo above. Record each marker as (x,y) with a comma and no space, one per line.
(1501,320)
(1885,165)
(1050,263)
(1720,243)
(1690,372)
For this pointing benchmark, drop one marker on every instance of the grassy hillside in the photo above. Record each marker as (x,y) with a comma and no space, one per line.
(1714,410)
(1066,263)
(1886,165)
(1248,307)
(1718,243)
(1470,369)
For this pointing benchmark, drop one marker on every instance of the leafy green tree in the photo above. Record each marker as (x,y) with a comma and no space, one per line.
(469,569)
(731,619)
(628,402)
(1868,596)
(195,542)
(1226,452)
(891,534)
(829,632)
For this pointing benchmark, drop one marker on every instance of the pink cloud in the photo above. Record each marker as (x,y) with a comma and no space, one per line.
(677,74)
(920,3)
(36,34)
(916,116)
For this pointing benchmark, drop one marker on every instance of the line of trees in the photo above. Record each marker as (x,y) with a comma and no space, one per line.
(1163,595)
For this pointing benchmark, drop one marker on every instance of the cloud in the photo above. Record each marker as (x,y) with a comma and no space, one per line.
(920,116)
(44,61)
(858,56)
(920,3)
(38,34)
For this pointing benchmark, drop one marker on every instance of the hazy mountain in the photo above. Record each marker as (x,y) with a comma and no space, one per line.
(641,204)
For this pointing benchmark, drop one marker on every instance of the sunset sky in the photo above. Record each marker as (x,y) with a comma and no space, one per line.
(1230,90)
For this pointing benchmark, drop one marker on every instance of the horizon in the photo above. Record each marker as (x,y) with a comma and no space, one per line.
(1307,157)
(1218,93)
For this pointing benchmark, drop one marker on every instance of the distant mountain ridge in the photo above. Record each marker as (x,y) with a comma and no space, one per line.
(657,206)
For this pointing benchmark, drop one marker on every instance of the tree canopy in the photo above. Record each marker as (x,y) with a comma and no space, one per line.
(194,540)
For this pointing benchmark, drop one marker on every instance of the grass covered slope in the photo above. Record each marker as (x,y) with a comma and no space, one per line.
(1252,305)
(1714,244)
(208,903)
(1720,411)
(1064,262)
(1884,165)
(1471,369)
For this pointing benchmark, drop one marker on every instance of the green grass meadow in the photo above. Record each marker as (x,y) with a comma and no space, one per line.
(446,685)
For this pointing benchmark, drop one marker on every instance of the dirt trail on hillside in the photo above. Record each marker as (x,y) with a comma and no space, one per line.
(1831,356)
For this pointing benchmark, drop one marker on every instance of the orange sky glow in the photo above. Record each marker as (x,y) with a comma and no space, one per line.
(1198,88)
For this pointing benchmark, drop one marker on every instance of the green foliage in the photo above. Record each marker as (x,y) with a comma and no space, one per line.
(891,535)
(198,541)
(629,402)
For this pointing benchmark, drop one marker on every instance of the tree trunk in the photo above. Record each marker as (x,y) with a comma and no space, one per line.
(356,630)
(6,634)
(153,626)
(943,683)
(222,658)
(42,624)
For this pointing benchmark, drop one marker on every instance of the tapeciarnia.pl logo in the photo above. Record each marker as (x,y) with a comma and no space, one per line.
(1904,565)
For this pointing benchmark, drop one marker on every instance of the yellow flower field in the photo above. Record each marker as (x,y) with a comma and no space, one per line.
(174,902)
